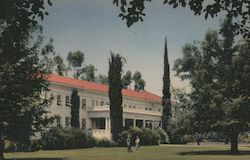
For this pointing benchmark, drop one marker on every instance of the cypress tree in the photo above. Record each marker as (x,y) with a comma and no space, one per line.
(166,98)
(115,95)
(75,105)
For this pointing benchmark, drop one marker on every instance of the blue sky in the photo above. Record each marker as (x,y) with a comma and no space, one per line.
(93,26)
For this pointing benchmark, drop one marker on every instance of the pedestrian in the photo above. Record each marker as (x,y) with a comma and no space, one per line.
(128,144)
(137,143)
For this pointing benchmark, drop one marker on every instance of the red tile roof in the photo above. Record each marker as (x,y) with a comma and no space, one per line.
(142,95)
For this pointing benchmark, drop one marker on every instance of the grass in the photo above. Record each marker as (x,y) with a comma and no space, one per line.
(165,152)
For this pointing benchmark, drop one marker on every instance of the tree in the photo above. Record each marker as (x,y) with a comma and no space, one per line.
(21,76)
(103,79)
(180,124)
(127,79)
(75,60)
(115,95)
(88,73)
(218,73)
(50,61)
(166,98)
(133,11)
(47,57)
(60,66)
(139,82)
(75,106)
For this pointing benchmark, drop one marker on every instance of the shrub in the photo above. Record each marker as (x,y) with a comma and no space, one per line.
(106,143)
(147,136)
(132,132)
(164,136)
(178,139)
(67,138)
(215,137)
(91,141)
(36,145)
(244,137)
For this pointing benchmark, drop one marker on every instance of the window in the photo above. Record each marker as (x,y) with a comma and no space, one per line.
(107,103)
(67,101)
(93,103)
(83,123)
(134,107)
(125,106)
(52,97)
(96,103)
(58,120)
(102,103)
(84,104)
(157,124)
(59,100)
(98,123)
(67,121)
(148,124)
(130,106)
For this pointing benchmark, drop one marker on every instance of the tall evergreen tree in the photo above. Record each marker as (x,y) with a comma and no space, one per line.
(115,95)
(166,98)
(75,106)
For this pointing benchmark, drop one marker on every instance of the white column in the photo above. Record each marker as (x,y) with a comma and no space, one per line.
(106,123)
(144,123)
(153,125)
(123,122)
(109,124)
(134,122)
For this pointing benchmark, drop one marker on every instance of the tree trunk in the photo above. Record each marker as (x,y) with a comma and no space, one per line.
(234,142)
(1,149)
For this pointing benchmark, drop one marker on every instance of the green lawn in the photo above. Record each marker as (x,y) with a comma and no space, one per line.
(165,152)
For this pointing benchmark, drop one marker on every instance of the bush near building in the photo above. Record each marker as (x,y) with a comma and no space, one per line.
(147,136)
(106,143)
(70,138)
(67,138)
(164,136)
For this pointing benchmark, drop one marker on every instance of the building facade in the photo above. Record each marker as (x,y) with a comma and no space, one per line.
(142,109)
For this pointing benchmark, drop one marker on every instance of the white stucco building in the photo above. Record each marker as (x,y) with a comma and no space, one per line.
(142,109)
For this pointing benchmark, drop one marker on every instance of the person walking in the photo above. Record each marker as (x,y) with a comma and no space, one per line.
(128,144)
(137,143)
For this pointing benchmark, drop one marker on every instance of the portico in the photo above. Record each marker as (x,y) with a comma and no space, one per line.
(100,120)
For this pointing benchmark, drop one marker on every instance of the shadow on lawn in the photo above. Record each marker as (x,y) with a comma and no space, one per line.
(36,159)
(217,152)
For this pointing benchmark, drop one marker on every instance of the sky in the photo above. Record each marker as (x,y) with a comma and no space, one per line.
(93,27)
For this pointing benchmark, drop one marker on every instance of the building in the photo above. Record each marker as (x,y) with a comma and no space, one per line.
(142,109)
